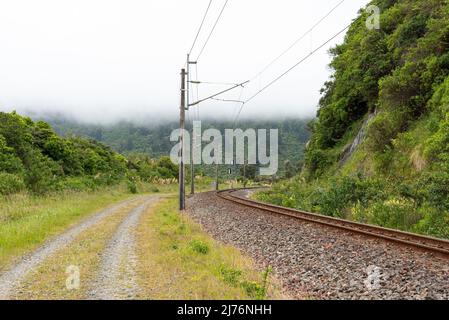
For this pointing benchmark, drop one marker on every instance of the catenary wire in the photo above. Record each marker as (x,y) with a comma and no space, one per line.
(201,26)
(296,64)
(212,31)
(288,70)
(298,40)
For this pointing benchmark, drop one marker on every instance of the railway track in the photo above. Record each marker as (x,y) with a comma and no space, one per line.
(428,244)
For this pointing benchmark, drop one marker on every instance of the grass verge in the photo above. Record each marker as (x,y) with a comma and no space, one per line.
(26,221)
(48,281)
(177,260)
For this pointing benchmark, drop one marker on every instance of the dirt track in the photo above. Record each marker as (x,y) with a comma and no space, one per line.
(119,252)
(116,278)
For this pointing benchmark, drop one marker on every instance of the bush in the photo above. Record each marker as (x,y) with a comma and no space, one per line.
(256,290)
(167,169)
(317,161)
(253,289)
(76,184)
(438,143)
(230,275)
(435,222)
(132,187)
(10,183)
(8,161)
(382,130)
(41,172)
(397,213)
(438,189)
(199,246)
(343,192)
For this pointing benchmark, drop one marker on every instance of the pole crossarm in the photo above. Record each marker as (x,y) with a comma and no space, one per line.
(217,94)
(227,100)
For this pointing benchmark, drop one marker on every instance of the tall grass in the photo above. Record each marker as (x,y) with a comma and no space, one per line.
(186,263)
(26,221)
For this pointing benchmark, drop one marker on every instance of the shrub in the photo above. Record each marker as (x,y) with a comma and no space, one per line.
(199,246)
(435,222)
(438,143)
(132,187)
(76,184)
(8,161)
(382,130)
(40,173)
(10,183)
(258,290)
(438,189)
(317,161)
(166,168)
(343,192)
(230,275)
(395,213)
(254,289)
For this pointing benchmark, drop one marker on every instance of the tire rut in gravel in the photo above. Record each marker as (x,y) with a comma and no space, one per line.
(116,278)
(11,278)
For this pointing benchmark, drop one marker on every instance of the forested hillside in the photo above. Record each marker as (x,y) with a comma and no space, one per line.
(34,158)
(154,140)
(379,152)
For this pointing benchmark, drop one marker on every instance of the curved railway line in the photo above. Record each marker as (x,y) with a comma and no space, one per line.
(429,244)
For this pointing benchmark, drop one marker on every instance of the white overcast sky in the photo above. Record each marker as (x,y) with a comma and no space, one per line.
(102,60)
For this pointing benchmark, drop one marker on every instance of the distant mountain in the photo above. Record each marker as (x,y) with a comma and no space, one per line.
(128,138)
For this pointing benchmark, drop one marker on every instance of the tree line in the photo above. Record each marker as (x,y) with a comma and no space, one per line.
(36,159)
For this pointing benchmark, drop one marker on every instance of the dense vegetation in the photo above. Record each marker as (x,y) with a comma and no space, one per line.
(34,158)
(379,151)
(129,138)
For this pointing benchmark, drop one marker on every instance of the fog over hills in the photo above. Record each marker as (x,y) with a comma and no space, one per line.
(150,118)
(109,60)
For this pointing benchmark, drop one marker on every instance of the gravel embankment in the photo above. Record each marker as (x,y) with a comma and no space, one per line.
(323,262)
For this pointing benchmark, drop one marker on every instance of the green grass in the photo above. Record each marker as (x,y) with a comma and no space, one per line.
(26,221)
(186,263)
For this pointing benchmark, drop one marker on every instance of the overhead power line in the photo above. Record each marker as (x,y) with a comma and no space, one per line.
(299,39)
(289,70)
(238,107)
(212,31)
(297,64)
(215,83)
(218,93)
(201,26)
(228,100)
(197,92)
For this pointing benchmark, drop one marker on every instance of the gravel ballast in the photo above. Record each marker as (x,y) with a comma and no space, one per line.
(323,262)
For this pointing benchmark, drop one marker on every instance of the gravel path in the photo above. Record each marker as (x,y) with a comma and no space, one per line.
(11,279)
(323,262)
(116,278)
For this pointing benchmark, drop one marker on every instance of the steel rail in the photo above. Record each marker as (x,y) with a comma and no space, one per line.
(405,238)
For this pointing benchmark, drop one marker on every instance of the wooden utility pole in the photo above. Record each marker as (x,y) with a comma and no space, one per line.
(216,175)
(182,109)
(244,169)
(192,166)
